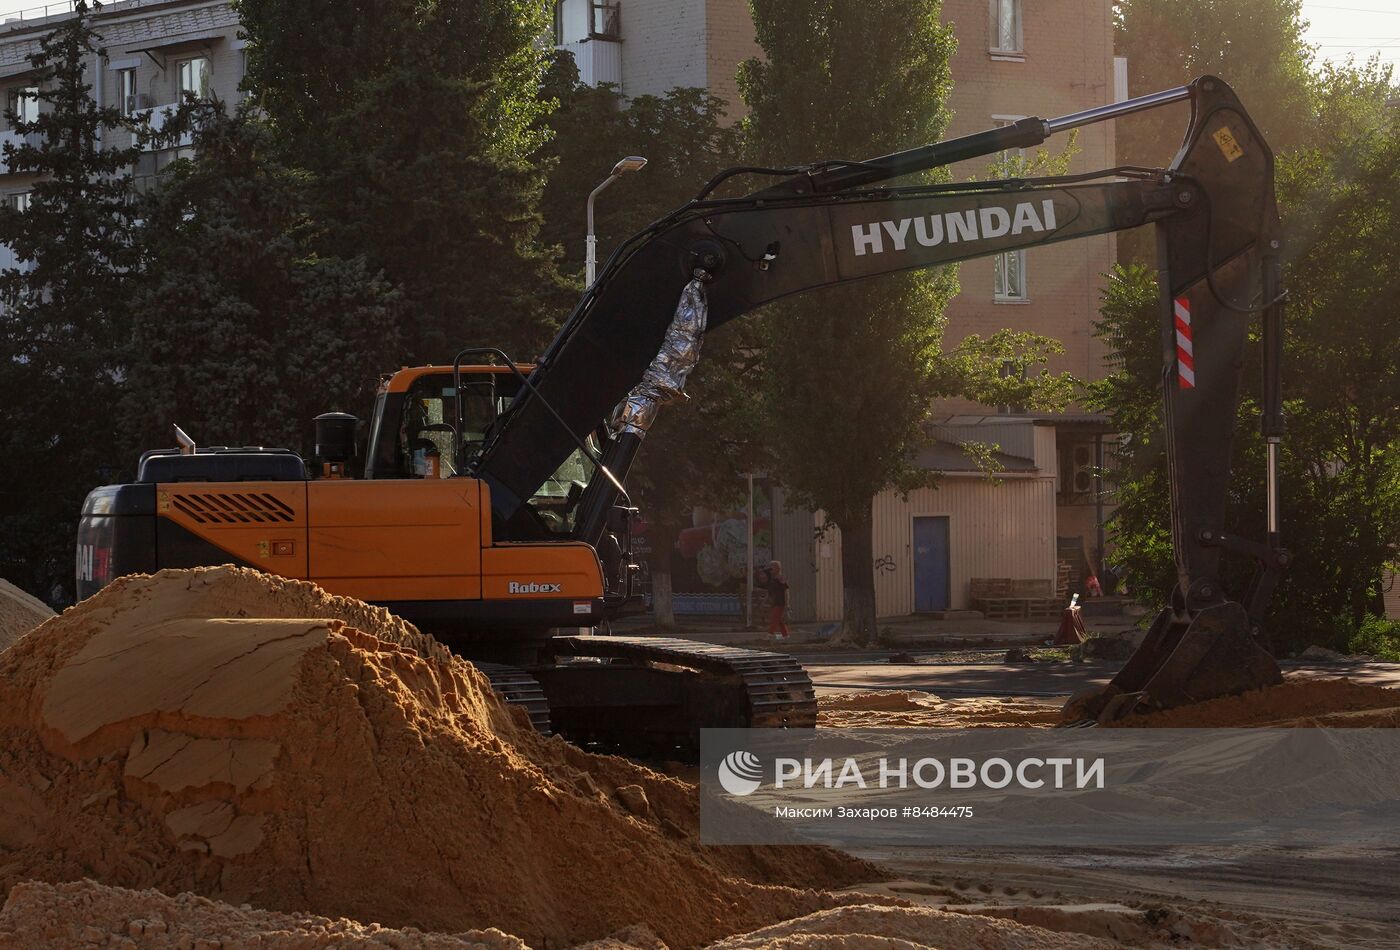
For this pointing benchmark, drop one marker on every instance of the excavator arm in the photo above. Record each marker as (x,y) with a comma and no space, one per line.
(627,346)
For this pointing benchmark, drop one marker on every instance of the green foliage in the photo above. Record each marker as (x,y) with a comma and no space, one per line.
(1129,323)
(241,331)
(417,120)
(65,316)
(1340,464)
(682,135)
(1341,205)
(842,396)
(1376,637)
(1257,46)
(848,373)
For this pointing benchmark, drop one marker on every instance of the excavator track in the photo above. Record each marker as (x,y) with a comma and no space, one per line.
(778,692)
(653,695)
(519,688)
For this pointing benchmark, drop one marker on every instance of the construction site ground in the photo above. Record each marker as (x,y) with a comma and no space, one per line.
(216,758)
(1342,897)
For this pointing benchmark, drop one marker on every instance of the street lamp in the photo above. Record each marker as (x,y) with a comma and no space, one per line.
(632,163)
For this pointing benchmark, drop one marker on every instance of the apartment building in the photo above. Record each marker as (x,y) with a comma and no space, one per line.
(156,52)
(1015,58)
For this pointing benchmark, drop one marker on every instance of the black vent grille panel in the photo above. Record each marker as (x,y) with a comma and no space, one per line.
(232,508)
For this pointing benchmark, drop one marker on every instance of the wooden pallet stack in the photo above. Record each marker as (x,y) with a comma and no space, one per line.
(1007,598)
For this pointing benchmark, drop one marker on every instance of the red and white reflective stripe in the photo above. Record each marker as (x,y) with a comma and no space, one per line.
(1185,352)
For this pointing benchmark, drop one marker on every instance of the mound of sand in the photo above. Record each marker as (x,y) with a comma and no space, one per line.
(243,737)
(89,914)
(907,927)
(881,701)
(882,709)
(19,613)
(1295,702)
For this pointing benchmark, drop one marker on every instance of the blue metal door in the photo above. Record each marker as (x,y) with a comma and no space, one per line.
(931,562)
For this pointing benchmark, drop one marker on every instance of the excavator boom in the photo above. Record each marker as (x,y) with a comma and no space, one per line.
(1218,241)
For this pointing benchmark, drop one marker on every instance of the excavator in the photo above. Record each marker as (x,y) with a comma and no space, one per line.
(490,508)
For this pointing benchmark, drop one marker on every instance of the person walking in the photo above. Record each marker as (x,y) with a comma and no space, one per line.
(777,600)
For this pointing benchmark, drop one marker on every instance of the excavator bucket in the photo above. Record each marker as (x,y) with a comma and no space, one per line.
(1181,662)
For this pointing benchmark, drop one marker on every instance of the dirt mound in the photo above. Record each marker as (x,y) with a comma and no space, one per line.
(886,709)
(851,928)
(197,731)
(1296,702)
(87,913)
(19,613)
(881,701)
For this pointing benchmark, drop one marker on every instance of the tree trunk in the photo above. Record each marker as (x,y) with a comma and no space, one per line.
(663,546)
(858,577)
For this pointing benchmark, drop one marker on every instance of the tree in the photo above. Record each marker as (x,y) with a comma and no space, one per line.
(1341,204)
(1140,527)
(695,451)
(682,135)
(65,314)
(417,120)
(242,331)
(845,400)
(1340,464)
(1257,46)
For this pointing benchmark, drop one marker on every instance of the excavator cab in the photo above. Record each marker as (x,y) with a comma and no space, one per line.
(429,424)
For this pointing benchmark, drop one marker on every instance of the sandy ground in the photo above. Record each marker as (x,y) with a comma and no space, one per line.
(1261,896)
(850,709)
(240,761)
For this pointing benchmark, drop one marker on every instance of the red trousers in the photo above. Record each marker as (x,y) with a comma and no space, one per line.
(776,623)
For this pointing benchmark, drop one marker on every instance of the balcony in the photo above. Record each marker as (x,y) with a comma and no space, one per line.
(155,118)
(11,137)
(598,62)
(592,31)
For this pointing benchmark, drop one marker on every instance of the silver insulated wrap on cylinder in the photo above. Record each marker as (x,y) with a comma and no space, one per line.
(664,381)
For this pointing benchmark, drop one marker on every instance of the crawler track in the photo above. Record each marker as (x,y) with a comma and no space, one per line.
(519,688)
(779,692)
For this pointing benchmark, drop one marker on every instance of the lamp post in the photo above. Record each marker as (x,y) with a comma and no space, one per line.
(632,163)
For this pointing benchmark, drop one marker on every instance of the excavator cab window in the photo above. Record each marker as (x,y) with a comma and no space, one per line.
(557,500)
(428,431)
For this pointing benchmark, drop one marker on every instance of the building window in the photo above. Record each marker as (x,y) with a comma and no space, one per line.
(1009,370)
(1011,278)
(24,103)
(1006,26)
(194,78)
(20,202)
(126,91)
(606,20)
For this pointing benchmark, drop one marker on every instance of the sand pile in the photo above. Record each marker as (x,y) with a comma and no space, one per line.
(908,927)
(86,914)
(89,914)
(19,613)
(194,731)
(882,709)
(1296,702)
